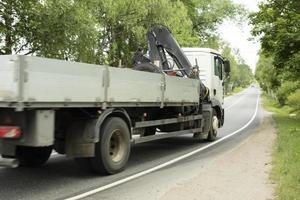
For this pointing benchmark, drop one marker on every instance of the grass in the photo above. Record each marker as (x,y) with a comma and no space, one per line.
(286,153)
(236,90)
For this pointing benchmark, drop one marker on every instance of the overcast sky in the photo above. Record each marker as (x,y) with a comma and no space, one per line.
(238,35)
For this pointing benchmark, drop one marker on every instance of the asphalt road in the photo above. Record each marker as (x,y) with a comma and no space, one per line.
(61,178)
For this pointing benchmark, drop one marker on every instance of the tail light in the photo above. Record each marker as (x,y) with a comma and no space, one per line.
(10,132)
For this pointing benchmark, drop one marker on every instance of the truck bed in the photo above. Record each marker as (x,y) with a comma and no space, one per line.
(33,82)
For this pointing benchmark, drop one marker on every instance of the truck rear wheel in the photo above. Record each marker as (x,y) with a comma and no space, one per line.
(33,156)
(213,131)
(113,149)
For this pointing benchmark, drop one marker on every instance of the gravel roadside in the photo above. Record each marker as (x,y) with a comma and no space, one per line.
(242,173)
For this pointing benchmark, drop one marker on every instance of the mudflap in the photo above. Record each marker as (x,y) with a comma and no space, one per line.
(207,116)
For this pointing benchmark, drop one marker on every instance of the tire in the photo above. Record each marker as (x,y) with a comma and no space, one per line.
(213,132)
(33,156)
(113,149)
(147,67)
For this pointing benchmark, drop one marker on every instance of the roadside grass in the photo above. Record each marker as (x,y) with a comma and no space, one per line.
(286,152)
(236,90)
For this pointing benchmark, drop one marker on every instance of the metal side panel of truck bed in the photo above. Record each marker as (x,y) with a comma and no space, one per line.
(8,79)
(27,81)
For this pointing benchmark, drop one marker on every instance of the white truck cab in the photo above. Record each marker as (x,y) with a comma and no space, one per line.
(211,70)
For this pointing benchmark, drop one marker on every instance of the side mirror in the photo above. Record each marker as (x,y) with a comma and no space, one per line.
(227,66)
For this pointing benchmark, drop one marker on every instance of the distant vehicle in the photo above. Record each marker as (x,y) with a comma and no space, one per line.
(94,113)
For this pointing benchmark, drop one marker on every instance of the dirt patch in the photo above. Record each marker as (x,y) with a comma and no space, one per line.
(242,173)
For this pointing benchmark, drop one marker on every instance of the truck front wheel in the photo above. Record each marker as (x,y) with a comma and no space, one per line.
(213,131)
(33,156)
(113,149)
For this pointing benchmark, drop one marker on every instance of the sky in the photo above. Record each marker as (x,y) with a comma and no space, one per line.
(238,35)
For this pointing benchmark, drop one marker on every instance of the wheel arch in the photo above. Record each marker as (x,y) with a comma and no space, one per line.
(220,111)
(114,112)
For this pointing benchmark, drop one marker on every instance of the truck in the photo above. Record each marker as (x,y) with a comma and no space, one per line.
(94,113)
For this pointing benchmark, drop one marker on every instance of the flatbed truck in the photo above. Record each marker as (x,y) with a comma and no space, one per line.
(94,113)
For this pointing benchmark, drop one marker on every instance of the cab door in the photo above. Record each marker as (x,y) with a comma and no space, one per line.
(217,85)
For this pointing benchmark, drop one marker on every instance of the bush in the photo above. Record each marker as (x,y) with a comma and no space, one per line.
(293,101)
(286,88)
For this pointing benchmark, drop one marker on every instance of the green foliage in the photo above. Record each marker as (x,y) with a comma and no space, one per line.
(245,76)
(58,29)
(293,100)
(278,25)
(207,15)
(240,75)
(279,22)
(17,21)
(286,88)
(126,23)
(230,82)
(265,73)
(72,35)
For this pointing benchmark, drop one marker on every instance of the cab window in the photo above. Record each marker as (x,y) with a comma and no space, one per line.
(219,67)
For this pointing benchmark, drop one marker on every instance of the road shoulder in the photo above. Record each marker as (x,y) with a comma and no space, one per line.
(242,173)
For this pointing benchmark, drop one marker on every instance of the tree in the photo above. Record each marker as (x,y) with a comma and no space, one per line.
(207,15)
(231,81)
(241,74)
(17,18)
(245,75)
(265,73)
(125,24)
(58,29)
(277,23)
(65,29)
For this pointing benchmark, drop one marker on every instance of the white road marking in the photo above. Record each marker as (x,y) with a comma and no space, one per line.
(148,171)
